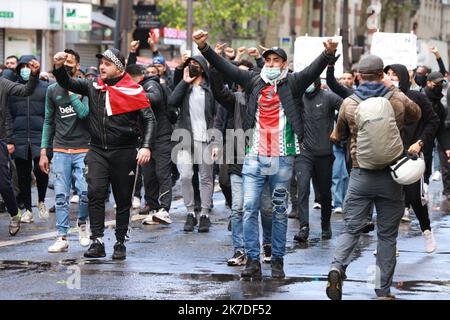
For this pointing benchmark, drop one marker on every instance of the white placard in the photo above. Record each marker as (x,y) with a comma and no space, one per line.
(395,48)
(307,49)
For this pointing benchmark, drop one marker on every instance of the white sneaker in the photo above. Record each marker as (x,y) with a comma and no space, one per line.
(136,203)
(436,176)
(149,220)
(43,212)
(75,199)
(317,205)
(61,245)
(430,242)
(338,210)
(162,216)
(84,235)
(406,216)
(27,217)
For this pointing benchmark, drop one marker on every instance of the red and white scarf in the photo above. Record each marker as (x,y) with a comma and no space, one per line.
(126,96)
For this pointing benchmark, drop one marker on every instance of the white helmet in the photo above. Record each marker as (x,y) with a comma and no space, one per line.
(408,170)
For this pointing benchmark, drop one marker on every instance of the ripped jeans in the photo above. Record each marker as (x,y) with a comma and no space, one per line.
(255,172)
(67,167)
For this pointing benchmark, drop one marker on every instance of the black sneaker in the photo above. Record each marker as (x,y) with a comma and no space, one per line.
(191,222)
(370,226)
(120,251)
(52,209)
(252,270)
(239,259)
(204,224)
(277,268)
(96,250)
(267,248)
(302,235)
(326,232)
(334,286)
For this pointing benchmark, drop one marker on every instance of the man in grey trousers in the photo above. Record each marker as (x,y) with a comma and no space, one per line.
(370,187)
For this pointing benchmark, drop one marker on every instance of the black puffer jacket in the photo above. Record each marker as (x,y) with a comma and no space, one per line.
(424,129)
(123,131)
(7,89)
(28,114)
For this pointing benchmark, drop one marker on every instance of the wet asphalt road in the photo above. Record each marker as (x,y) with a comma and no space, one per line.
(163,262)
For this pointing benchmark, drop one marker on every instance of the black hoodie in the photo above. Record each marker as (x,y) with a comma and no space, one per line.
(424,129)
(179,100)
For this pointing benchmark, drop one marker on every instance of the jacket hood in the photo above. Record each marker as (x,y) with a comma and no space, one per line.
(202,61)
(371,89)
(149,78)
(24,60)
(403,76)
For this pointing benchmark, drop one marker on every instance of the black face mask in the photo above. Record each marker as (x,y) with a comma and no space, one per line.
(70,70)
(437,90)
(194,71)
(421,80)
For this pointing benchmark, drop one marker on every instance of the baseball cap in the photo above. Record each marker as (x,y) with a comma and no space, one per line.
(276,50)
(91,71)
(159,60)
(114,56)
(370,64)
(436,77)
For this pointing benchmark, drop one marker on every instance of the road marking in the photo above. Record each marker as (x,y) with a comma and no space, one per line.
(53,234)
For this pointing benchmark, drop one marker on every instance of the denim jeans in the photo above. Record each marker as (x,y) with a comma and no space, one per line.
(237,212)
(340,177)
(256,171)
(67,167)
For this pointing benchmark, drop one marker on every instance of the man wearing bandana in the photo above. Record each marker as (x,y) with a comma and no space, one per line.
(118,109)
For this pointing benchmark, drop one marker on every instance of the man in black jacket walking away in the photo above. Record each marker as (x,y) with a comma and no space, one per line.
(118,108)
(9,88)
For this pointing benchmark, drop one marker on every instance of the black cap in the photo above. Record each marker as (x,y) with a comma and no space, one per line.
(276,50)
(436,77)
(91,71)
(114,56)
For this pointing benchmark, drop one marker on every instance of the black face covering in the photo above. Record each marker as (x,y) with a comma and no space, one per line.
(437,90)
(194,71)
(421,80)
(70,70)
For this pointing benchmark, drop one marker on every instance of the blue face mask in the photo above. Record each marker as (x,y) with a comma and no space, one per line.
(311,88)
(272,73)
(25,73)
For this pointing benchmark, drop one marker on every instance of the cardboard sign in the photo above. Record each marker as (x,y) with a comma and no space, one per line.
(395,48)
(307,49)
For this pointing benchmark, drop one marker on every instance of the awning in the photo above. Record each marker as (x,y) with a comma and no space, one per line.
(102,19)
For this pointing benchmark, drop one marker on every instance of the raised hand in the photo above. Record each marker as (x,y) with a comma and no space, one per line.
(59,59)
(35,66)
(253,52)
(230,53)
(134,46)
(200,38)
(330,46)
(219,48)
(186,76)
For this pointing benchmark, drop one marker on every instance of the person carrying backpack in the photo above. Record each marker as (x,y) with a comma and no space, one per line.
(373,118)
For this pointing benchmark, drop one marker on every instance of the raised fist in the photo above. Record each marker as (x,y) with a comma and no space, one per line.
(59,59)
